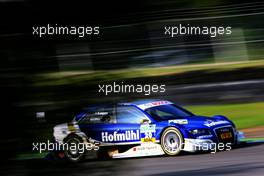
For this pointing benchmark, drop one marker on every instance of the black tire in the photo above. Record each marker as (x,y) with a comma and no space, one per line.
(71,154)
(172,141)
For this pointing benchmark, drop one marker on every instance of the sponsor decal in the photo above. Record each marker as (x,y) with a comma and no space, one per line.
(129,135)
(142,148)
(147,132)
(210,123)
(101,113)
(205,136)
(179,121)
(153,104)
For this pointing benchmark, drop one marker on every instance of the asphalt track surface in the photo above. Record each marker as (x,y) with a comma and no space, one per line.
(247,160)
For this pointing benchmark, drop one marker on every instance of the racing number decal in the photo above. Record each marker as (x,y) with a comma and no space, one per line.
(148,132)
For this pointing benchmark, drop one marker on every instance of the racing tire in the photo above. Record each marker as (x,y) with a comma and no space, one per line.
(73,154)
(172,141)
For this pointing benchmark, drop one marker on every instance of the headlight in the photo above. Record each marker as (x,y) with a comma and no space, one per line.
(200,132)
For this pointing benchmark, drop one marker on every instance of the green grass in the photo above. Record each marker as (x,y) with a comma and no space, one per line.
(252,139)
(243,115)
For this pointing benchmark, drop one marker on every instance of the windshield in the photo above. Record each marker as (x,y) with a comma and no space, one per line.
(166,112)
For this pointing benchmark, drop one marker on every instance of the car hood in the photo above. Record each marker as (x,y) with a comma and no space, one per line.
(201,121)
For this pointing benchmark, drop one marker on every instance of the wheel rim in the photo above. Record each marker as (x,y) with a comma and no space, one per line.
(73,152)
(172,142)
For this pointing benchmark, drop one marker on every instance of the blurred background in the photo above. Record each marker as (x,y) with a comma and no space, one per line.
(46,81)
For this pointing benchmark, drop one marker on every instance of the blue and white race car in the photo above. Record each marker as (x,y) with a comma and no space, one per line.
(144,128)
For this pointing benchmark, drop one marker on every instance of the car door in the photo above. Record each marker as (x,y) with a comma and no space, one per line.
(133,120)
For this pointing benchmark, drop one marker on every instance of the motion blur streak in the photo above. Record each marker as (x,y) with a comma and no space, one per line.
(56,76)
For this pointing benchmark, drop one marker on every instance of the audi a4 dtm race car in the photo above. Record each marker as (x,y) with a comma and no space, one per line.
(144,128)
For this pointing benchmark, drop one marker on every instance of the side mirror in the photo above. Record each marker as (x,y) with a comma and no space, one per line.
(145,121)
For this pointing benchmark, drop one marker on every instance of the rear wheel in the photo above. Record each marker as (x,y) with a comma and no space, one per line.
(74,152)
(172,141)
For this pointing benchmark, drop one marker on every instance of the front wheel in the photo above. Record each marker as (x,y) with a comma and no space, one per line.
(172,141)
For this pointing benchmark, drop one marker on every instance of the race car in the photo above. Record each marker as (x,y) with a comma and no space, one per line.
(144,128)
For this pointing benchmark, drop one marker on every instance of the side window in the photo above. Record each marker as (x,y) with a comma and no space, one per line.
(129,114)
(99,115)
